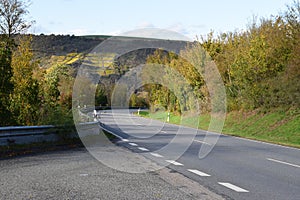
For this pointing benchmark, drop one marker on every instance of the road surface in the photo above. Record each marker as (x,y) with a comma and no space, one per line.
(75,174)
(236,168)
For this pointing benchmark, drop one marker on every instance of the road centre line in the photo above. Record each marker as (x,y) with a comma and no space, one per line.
(143,149)
(202,142)
(163,131)
(174,162)
(198,172)
(233,187)
(156,155)
(133,144)
(282,162)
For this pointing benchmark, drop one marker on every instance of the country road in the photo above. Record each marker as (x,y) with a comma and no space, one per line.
(236,168)
(154,160)
(75,174)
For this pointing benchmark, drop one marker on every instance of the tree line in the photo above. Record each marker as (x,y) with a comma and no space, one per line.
(29,94)
(259,66)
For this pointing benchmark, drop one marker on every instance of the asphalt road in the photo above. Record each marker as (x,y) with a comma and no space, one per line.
(235,168)
(75,174)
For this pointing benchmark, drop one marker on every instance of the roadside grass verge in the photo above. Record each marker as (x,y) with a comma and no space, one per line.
(278,127)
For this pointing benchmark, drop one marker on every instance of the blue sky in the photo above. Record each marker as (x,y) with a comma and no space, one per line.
(112,17)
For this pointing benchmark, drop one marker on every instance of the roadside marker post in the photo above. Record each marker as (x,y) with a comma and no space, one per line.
(139,111)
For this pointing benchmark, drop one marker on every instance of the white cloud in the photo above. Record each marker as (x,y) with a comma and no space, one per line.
(191,31)
(178,27)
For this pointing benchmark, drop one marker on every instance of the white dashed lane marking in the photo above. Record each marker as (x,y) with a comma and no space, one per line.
(83,174)
(156,155)
(233,187)
(282,162)
(174,162)
(143,149)
(133,144)
(198,172)
(125,140)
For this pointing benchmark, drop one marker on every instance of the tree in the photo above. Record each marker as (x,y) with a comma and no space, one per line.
(25,99)
(57,95)
(6,85)
(58,85)
(12,14)
(12,21)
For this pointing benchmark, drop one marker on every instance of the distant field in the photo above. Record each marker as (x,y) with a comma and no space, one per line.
(277,127)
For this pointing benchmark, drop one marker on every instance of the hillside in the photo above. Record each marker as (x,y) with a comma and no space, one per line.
(48,45)
(73,50)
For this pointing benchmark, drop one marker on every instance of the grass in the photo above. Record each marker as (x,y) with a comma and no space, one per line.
(275,127)
(279,127)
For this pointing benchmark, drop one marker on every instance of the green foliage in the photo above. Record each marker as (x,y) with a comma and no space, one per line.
(12,21)
(137,101)
(180,85)
(278,126)
(25,99)
(259,65)
(100,96)
(6,86)
(57,95)
(38,96)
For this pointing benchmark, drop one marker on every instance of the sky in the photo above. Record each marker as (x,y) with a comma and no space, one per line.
(192,18)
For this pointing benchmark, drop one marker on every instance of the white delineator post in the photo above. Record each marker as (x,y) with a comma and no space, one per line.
(168,118)
(139,111)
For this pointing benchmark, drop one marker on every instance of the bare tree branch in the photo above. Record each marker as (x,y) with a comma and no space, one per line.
(12,14)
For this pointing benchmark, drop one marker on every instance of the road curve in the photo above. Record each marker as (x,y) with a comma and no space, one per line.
(236,168)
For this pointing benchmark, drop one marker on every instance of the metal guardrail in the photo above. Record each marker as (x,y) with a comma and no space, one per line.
(23,130)
(33,134)
(27,134)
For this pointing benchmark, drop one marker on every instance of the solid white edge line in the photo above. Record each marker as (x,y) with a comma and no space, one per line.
(109,131)
(233,187)
(143,149)
(133,144)
(220,134)
(174,162)
(262,142)
(195,171)
(156,155)
(202,142)
(282,162)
